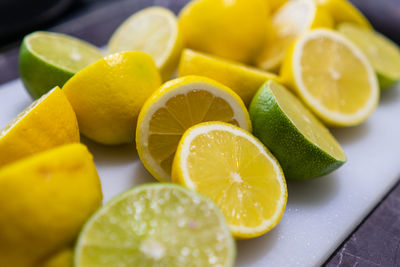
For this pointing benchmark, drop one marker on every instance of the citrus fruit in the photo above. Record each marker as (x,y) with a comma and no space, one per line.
(341,89)
(153,30)
(382,53)
(108,95)
(289,22)
(48,122)
(44,201)
(62,258)
(275,4)
(242,79)
(344,11)
(235,29)
(49,59)
(156,225)
(236,171)
(302,144)
(175,107)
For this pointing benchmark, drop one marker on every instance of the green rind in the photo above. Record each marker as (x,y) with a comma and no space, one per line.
(385,82)
(37,75)
(299,158)
(122,196)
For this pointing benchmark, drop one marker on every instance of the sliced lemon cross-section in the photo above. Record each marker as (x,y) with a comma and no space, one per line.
(176,106)
(333,77)
(235,170)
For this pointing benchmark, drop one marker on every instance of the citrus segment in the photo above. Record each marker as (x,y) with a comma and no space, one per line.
(108,95)
(242,79)
(156,225)
(342,89)
(153,30)
(302,144)
(176,106)
(232,168)
(49,59)
(48,122)
(289,22)
(382,53)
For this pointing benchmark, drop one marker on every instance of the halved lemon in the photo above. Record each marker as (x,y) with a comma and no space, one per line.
(333,77)
(289,22)
(344,11)
(153,30)
(244,80)
(48,122)
(237,172)
(176,106)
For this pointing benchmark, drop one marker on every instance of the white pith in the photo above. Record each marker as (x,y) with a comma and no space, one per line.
(201,130)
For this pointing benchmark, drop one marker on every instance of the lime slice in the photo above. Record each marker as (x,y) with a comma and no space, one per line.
(383,54)
(236,171)
(302,144)
(49,59)
(156,225)
(153,30)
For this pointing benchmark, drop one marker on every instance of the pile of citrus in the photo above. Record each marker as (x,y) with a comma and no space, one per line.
(259,82)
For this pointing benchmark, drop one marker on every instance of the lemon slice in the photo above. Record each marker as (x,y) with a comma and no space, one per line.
(49,59)
(153,30)
(242,79)
(275,4)
(176,106)
(333,77)
(236,171)
(44,201)
(302,144)
(344,11)
(156,225)
(48,122)
(290,21)
(383,54)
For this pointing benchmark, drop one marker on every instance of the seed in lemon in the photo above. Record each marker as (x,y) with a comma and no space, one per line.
(108,95)
(333,77)
(176,106)
(49,59)
(302,144)
(289,22)
(44,201)
(382,53)
(153,30)
(235,29)
(156,225)
(235,170)
(48,122)
(244,80)
(344,11)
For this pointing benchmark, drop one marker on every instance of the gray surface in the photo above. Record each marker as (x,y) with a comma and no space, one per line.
(376,242)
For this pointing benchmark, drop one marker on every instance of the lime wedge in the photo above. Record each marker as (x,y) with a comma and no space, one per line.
(302,144)
(383,54)
(49,59)
(156,225)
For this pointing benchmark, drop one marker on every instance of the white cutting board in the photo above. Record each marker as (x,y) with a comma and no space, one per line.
(320,213)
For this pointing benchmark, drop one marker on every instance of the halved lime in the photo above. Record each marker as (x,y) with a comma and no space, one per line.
(156,225)
(383,54)
(302,144)
(48,59)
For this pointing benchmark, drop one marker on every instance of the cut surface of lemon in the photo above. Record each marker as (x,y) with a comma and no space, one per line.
(153,30)
(176,106)
(244,80)
(289,22)
(344,11)
(333,77)
(237,172)
(383,54)
(48,122)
